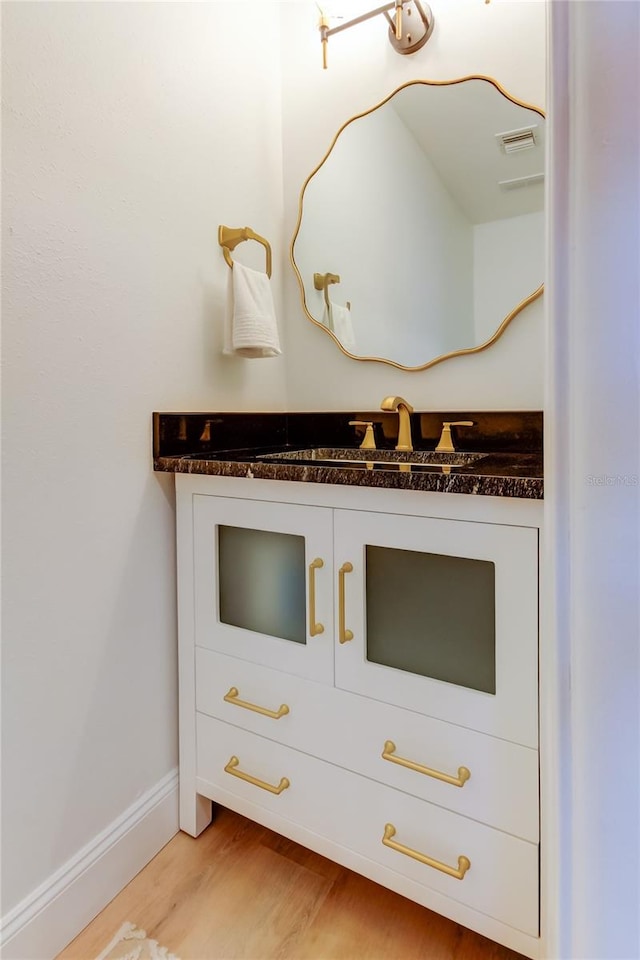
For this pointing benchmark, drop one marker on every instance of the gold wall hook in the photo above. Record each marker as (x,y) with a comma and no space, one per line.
(230,237)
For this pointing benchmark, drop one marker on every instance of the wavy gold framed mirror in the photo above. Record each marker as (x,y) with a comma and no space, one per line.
(420,234)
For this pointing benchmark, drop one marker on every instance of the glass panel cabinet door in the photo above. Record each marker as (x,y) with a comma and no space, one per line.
(440,617)
(263,589)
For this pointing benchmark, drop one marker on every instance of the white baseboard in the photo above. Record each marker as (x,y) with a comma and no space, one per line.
(47,920)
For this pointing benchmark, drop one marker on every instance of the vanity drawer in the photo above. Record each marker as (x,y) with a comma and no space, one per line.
(286,781)
(502,877)
(353,732)
(276,705)
(353,811)
(470,773)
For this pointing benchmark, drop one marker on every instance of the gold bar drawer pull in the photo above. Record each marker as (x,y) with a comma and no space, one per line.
(232,697)
(389,754)
(315,629)
(463,862)
(344,635)
(234,763)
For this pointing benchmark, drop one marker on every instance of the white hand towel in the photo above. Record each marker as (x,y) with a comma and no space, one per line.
(251,329)
(339,321)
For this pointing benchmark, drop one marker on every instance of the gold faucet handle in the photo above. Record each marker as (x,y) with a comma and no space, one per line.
(446,442)
(369,442)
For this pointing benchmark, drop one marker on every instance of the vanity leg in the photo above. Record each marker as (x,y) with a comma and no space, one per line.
(196,813)
(195,810)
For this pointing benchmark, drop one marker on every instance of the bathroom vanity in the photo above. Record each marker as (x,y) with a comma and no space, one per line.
(359,660)
(358,592)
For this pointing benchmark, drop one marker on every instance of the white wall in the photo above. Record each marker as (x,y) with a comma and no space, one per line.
(505,40)
(592,477)
(131,130)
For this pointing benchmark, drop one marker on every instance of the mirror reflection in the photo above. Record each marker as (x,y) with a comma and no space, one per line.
(421,233)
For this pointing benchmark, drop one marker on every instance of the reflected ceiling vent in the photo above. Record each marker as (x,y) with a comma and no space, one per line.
(519,182)
(515,140)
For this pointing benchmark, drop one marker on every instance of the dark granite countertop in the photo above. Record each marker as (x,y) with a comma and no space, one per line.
(267,456)
(496,475)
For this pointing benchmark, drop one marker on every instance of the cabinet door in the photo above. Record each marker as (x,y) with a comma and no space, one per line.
(263,589)
(440,617)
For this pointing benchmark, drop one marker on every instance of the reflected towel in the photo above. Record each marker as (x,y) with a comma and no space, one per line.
(338,319)
(251,329)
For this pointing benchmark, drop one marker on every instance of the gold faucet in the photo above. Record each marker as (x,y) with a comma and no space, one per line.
(404,420)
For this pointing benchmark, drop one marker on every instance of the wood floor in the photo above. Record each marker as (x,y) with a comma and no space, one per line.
(241,891)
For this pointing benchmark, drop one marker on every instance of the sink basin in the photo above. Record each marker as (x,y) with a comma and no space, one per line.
(350,458)
(355,458)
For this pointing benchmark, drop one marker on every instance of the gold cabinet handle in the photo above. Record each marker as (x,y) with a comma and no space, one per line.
(463,862)
(344,635)
(231,768)
(232,697)
(314,628)
(389,754)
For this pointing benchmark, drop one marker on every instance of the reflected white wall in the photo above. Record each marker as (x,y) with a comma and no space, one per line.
(508,262)
(378,215)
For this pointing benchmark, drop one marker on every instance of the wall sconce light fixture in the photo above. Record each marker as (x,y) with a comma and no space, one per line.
(409,29)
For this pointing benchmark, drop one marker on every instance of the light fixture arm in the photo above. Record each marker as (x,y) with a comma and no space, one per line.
(401,43)
(366,16)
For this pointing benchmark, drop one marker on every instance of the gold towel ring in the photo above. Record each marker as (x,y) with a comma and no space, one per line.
(230,237)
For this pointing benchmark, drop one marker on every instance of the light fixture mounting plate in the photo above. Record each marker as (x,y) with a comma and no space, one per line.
(417,27)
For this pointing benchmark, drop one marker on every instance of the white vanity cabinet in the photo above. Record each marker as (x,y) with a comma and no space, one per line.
(358,671)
